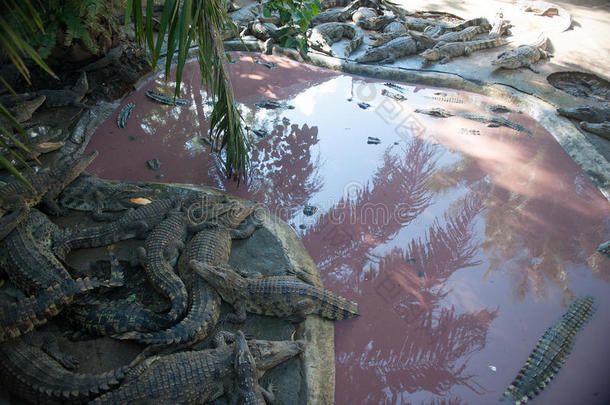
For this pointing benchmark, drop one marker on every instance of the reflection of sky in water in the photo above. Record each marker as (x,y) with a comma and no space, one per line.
(494,234)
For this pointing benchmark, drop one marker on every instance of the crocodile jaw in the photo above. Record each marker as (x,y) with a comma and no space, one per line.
(431,54)
(508,62)
(268,353)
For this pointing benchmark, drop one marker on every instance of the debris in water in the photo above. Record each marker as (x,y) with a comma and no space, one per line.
(394,86)
(363,105)
(371,140)
(492,368)
(309,210)
(391,94)
(153,164)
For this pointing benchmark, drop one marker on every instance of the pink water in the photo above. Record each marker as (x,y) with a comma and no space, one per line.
(461,243)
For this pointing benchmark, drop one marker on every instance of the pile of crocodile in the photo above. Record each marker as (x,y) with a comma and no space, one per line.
(168,297)
(395,33)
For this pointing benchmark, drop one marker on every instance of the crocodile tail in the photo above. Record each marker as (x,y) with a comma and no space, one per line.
(337,308)
(23,316)
(34,376)
(541,42)
(202,316)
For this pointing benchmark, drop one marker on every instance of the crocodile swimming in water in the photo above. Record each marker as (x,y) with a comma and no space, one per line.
(491,121)
(279,296)
(550,352)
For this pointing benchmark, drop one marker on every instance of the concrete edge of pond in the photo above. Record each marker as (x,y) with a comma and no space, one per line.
(593,164)
(319,333)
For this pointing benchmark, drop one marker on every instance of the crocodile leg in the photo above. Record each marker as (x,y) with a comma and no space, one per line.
(240,313)
(533,68)
(10,221)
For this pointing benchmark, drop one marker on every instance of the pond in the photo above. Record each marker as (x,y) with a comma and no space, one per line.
(461,242)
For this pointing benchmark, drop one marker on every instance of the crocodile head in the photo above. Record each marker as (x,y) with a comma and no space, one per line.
(269,353)
(431,54)
(508,60)
(227,282)
(236,213)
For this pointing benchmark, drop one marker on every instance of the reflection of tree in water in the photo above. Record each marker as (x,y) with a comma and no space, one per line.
(534,232)
(282,163)
(403,288)
(343,238)
(437,341)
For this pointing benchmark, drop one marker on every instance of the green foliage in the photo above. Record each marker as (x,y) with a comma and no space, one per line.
(74,19)
(297,13)
(14,45)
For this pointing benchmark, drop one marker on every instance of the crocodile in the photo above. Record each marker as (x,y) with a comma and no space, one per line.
(67,96)
(390,51)
(491,121)
(444,52)
(268,32)
(46,186)
(211,245)
(163,99)
(339,15)
(247,389)
(134,223)
(550,352)
(604,248)
(90,193)
(363,13)
(280,296)
(441,29)
(377,23)
(273,105)
(22,111)
(523,56)
(112,56)
(598,128)
(121,119)
(393,30)
(156,256)
(500,26)
(198,376)
(588,113)
(545,9)
(27,253)
(466,34)
(21,317)
(322,36)
(35,371)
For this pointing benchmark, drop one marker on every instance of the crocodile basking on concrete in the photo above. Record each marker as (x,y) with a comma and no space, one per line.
(390,51)
(466,34)
(211,245)
(247,389)
(594,119)
(393,30)
(550,352)
(90,193)
(22,110)
(523,56)
(268,32)
(160,250)
(444,52)
(134,223)
(340,14)
(279,296)
(198,376)
(21,317)
(17,198)
(67,96)
(491,121)
(33,370)
(322,36)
